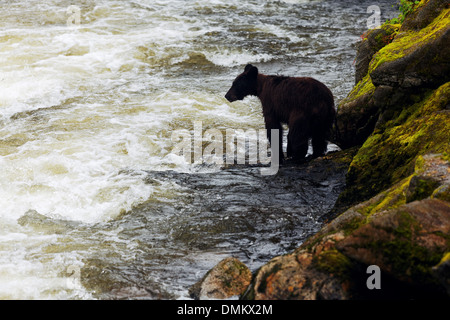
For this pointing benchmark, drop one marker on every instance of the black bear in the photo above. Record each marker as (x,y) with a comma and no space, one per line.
(304,104)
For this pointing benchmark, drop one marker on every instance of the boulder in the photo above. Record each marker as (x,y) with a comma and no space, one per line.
(306,274)
(230,277)
(416,64)
(426,13)
(370,44)
(442,272)
(406,242)
(404,69)
(357,115)
(407,239)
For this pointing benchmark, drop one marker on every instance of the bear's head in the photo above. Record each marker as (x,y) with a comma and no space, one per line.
(245,84)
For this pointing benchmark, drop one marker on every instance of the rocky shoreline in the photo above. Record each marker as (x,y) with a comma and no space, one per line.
(391,224)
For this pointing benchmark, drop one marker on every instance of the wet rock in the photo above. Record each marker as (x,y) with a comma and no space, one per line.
(228,278)
(408,241)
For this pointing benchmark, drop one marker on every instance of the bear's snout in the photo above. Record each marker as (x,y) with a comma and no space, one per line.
(230,97)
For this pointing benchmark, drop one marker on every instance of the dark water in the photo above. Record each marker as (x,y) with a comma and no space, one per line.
(94,203)
(234,212)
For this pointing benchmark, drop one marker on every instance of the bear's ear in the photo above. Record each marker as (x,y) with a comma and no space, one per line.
(251,70)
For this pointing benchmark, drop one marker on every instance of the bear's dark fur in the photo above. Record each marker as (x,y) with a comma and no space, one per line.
(304,104)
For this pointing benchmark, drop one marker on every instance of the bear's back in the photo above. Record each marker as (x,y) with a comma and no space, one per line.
(282,95)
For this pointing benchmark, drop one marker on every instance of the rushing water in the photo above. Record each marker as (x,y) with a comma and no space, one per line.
(93,202)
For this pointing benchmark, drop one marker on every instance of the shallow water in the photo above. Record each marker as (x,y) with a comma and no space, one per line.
(94,202)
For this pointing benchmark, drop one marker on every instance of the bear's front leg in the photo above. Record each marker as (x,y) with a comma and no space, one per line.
(272,123)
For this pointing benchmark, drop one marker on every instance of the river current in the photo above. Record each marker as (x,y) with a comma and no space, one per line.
(93,202)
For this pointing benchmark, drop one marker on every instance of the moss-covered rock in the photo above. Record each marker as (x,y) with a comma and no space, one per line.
(306,274)
(389,154)
(230,277)
(415,58)
(400,74)
(407,240)
(370,44)
(357,115)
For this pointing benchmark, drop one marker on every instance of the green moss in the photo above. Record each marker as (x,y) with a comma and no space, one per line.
(389,156)
(407,41)
(423,189)
(390,199)
(406,7)
(403,255)
(363,87)
(334,262)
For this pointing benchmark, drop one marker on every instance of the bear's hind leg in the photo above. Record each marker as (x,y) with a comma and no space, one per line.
(320,133)
(319,145)
(298,137)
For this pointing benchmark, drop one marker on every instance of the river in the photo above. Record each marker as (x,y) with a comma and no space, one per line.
(94,203)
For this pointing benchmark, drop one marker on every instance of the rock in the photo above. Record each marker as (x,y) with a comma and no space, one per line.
(298,276)
(442,272)
(431,174)
(416,58)
(408,241)
(442,192)
(405,242)
(419,19)
(419,56)
(228,278)
(371,44)
(419,65)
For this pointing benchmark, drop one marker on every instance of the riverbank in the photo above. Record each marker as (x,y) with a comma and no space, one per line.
(388,236)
